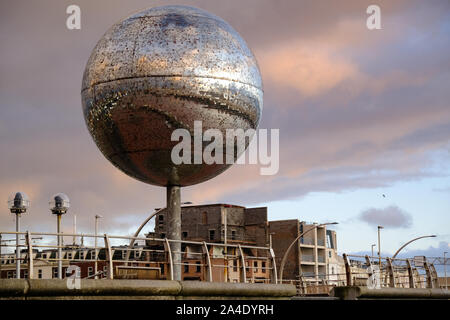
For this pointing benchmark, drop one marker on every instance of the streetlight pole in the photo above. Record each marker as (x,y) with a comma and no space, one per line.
(415,239)
(58,231)
(270,239)
(445,271)
(372,250)
(18,203)
(17,246)
(379,247)
(225,242)
(97,216)
(283,261)
(133,239)
(59,204)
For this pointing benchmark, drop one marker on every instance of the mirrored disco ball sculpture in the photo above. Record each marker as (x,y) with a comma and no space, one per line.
(162,69)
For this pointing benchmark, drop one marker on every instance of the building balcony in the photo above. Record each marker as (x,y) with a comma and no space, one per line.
(307,258)
(307,241)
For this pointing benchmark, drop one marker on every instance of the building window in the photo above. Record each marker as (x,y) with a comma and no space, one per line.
(255,265)
(235,265)
(184,234)
(161,267)
(8,275)
(93,255)
(39,273)
(198,267)
(332,270)
(204,218)
(69,255)
(163,235)
(90,271)
(263,267)
(161,218)
(211,234)
(233,234)
(55,272)
(81,255)
(186,268)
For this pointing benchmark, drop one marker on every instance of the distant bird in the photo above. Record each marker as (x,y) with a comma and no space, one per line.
(384,196)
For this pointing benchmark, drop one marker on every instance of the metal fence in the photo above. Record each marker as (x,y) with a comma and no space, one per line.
(357,270)
(388,272)
(112,258)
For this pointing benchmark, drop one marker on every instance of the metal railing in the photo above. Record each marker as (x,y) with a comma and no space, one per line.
(394,273)
(357,270)
(152,260)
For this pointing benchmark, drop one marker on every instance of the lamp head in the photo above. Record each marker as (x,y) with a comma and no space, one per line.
(59,203)
(18,202)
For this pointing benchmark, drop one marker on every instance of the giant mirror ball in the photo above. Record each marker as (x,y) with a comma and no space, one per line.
(162,69)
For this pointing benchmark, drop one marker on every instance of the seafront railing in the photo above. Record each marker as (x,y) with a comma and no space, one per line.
(368,271)
(113,258)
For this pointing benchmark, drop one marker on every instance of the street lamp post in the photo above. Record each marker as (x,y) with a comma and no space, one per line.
(415,239)
(59,204)
(133,239)
(97,216)
(379,247)
(270,239)
(283,261)
(18,203)
(445,271)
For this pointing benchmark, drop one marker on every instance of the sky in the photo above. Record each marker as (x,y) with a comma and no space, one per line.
(364,119)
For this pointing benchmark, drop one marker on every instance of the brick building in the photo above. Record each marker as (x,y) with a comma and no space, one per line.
(210,222)
(220,223)
(310,255)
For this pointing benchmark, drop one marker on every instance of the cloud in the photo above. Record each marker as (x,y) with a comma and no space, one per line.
(444,189)
(309,69)
(389,217)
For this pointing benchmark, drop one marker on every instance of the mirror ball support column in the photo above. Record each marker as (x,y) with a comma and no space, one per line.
(174,227)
